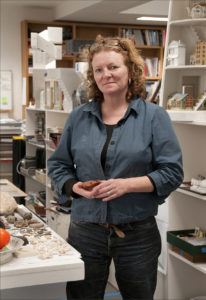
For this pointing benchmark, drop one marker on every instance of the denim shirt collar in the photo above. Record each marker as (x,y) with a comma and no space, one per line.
(94,108)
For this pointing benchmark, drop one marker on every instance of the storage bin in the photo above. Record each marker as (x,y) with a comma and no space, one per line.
(193,253)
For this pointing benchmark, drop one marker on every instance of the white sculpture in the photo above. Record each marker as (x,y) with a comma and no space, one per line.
(176,53)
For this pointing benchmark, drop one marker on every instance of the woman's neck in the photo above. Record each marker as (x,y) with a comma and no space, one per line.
(113,110)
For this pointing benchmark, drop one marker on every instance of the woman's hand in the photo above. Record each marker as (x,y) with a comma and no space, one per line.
(113,188)
(110,189)
(78,189)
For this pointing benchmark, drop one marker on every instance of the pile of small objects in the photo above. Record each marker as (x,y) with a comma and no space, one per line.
(37,236)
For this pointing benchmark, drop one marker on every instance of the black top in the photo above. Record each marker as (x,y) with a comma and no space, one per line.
(109,129)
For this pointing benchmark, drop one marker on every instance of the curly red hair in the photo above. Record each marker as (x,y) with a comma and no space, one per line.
(132,60)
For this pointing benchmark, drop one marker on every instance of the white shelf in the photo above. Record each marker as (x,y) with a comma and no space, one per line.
(33,178)
(57,111)
(192,194)
(188,22)
(190,123)
(10,130)
(197,266)
(34,109)
(47,110)
(36,144)
(185,67)
(188,117)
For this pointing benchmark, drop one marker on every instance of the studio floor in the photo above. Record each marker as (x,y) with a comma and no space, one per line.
(111,293)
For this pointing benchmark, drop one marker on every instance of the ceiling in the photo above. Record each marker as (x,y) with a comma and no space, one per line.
(101,11)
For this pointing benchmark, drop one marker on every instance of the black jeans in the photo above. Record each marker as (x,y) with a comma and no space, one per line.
(135,257)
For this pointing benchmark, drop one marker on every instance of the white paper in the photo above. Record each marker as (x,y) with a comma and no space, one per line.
(6,90)
(24,91)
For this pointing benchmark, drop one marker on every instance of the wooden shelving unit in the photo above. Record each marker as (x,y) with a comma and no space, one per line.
(81,31)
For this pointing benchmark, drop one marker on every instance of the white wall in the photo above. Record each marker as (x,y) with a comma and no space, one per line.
(10,44)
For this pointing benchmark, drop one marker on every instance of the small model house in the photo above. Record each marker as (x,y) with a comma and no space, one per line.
(200,53)
(197,11)
(181,102)
(193,58)
(176,53)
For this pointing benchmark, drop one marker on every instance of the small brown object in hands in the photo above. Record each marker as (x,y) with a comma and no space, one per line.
(89,185)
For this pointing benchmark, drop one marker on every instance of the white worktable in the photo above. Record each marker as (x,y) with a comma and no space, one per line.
(32,271)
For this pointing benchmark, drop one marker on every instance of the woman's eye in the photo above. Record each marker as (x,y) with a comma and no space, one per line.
(97,70)
(113,67)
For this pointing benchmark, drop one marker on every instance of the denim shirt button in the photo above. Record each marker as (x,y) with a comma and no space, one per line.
(108,166)
(112,142)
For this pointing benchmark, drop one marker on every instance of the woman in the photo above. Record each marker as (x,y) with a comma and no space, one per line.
(130,145)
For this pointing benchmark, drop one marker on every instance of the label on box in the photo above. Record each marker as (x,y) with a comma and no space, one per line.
(203,250)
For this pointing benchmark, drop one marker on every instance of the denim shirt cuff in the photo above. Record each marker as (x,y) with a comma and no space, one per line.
(161,190)
(62,199)
(67,187)
(153,183)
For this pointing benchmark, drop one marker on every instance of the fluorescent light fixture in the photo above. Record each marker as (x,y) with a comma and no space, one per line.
(152,19)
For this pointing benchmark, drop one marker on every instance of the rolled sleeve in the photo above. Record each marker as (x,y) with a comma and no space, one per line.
(167,172)
(60,164)
(67,188)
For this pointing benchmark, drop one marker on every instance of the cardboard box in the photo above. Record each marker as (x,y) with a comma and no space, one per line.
(40,175)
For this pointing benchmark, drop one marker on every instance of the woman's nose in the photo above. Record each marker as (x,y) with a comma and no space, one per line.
(106,73)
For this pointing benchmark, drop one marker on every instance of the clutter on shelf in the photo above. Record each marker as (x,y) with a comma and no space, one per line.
(196,185)
(197,9)
(179,101)
(40,126)
(198,56)
(189,243)
(76,46)
(53,136)
(52,95)
(53,90)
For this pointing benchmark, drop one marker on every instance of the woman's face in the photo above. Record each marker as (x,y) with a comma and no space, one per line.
(110,72)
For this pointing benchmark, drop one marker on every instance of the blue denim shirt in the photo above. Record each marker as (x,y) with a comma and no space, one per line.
(143,143)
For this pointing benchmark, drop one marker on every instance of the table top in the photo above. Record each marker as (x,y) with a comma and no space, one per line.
(33,270)
(11,189)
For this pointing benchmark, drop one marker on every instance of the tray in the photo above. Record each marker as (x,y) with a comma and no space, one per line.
(7,255)
(191,252)
(187,186)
